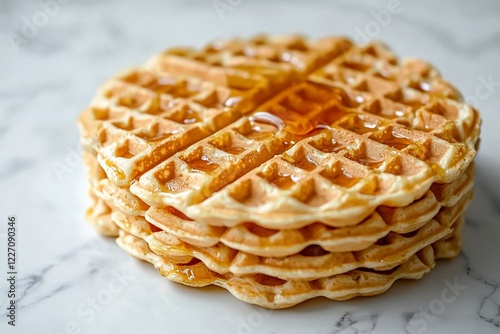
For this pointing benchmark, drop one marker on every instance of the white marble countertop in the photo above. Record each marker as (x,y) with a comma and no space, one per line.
(71,280)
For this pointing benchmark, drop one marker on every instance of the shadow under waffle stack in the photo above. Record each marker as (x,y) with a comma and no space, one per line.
(282,168)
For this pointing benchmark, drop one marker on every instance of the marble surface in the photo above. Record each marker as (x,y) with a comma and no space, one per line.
(73,281)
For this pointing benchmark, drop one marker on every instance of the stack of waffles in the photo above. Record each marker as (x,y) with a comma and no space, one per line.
(282,168)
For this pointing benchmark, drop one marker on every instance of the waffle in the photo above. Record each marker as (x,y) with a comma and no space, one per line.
(281,168)
(99,216)
(254,239)
(330,154)
(257,240)
(130,137)
(368,157)
(311,263)
(273,293)
(273,61)
(146,114)
(306,183)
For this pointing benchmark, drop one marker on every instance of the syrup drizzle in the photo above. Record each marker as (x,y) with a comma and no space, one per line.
(306,163)
(234,150)
(232,101)
(258,133)
(202,165)
(345,179)
(127,155)
(268,118)
(155,138)
(359,125)
(311,108)
(397,140)
(368,162)
(341,177)
(284,181)
(330,146)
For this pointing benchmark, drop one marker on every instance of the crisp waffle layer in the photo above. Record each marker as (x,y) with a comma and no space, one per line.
(254,239)
(99,216)
(267,291)
(260,241)
(335,177)
(311,263)
(283,132)
(274,293)
(148,113)
(281,168)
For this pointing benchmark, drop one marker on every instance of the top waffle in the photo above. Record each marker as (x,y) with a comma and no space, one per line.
(280,131)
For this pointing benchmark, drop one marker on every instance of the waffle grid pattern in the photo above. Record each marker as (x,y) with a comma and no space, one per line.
(282,168)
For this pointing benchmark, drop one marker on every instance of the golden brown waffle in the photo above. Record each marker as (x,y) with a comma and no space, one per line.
(140,118)
(275,293)
(254,239)
(337,177)
(146,114)
(367,158)
(93,170)
(257,240)
(377,280)
(114,196)
(313,262)
(369,72)
(99,216)
(282,168)
(244,63)
(99,213)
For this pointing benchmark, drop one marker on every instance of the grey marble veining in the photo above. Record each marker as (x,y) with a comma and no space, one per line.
(73,281)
